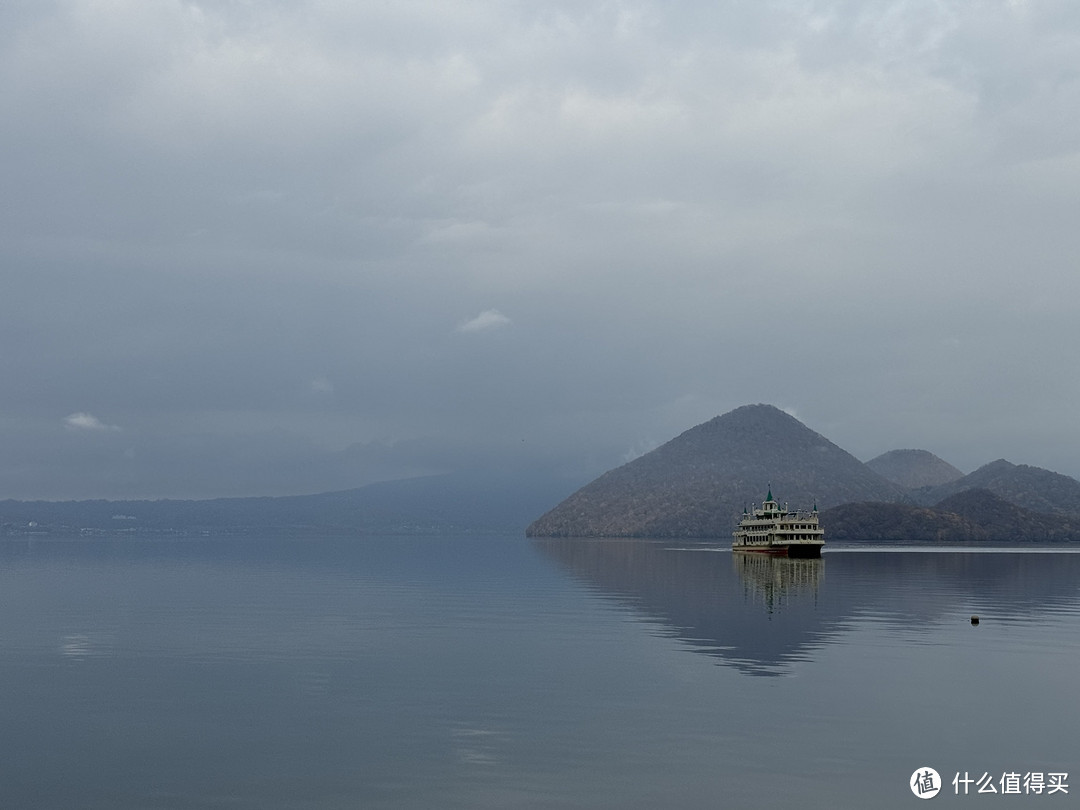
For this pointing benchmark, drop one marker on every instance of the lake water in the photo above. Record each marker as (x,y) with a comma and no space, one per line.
(502,672)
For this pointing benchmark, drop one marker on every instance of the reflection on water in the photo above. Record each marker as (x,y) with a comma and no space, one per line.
(466,673)
(762,614)
(776,581)
(759,614)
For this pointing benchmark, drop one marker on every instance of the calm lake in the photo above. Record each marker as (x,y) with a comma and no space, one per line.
(503,672)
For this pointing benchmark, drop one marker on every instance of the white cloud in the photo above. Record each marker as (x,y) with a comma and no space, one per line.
(485,321)
(86,421)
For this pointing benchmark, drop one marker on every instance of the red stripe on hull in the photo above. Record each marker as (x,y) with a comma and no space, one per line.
(801,551)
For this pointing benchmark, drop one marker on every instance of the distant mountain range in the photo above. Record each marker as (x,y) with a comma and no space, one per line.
(697,485)
(440,504)
(1000,501)
(694,486)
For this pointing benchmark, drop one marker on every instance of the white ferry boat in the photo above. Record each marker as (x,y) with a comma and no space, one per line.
(773,530)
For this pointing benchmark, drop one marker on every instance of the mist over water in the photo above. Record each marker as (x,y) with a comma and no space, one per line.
(496,672)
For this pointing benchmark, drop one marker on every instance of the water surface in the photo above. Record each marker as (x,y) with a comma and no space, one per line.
(499,672)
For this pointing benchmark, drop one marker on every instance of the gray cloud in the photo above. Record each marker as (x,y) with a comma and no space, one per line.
(243,233)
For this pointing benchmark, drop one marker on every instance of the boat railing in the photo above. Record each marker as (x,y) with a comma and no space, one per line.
(791,515)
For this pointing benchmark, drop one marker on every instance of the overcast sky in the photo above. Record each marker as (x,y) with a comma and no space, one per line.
(281,247)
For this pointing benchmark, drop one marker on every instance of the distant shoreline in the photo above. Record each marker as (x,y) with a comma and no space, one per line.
(1002,546)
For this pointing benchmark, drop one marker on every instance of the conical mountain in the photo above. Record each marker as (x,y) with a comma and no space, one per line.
(697,484)
(911,469)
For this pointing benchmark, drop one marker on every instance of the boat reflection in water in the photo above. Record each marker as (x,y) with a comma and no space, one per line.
(764,614)
(756,612)
(777,581)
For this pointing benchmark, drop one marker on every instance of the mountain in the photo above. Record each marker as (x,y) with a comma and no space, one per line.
(440,504)
(698,483)
(1000,501)
(1031,488)
(912,469)
(974,515)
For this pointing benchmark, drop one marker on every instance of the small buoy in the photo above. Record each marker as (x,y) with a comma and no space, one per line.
(974,619)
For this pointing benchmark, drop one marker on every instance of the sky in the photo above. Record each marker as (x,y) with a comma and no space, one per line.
(261,248)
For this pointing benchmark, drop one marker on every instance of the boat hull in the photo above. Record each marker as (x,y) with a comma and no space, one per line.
(796,550)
